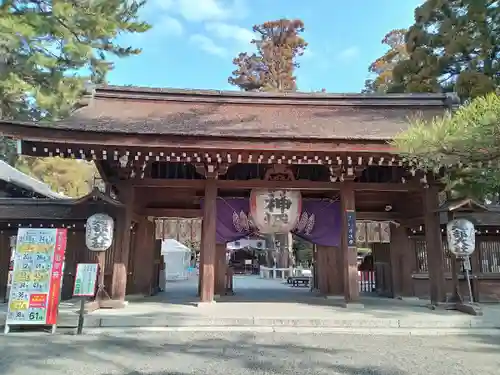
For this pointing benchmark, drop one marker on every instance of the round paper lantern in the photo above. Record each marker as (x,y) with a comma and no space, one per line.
(99,232)
(461,237)
(275,211)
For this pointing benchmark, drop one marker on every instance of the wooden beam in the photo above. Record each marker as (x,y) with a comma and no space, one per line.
(172,212)
(37,134)
(260,184)
(413,221)
(169,183)
(194,213)
(378,216)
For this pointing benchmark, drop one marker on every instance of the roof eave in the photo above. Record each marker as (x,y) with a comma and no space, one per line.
(29,132)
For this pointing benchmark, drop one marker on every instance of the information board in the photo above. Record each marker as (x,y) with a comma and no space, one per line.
(36,277)
(85,280)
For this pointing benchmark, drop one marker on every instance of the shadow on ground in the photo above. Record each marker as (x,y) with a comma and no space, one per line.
(114,351)
(115,354)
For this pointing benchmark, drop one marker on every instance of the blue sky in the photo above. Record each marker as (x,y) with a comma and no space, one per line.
(193,42)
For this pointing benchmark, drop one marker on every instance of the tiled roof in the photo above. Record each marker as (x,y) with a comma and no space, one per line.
(215,113)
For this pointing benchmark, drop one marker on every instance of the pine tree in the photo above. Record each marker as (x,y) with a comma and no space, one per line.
(45,45)
(465,146)
(73,178)
(272,68)
(453,45)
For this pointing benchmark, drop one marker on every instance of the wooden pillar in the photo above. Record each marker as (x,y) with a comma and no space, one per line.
(220,270)
(5,252)
(348,243)
(119,280)
(475,263)
(456,296)
(435,254)
(331,282)
(208,242)
(322,269)
(158,267)
(336,279)
(315,268)
(144,257)
(401,262)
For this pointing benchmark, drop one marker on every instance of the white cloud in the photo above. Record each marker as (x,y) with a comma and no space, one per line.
(173,17)
(208,45)
(348,54)
(163,4)
(170,25)
(204,10)
(225,31)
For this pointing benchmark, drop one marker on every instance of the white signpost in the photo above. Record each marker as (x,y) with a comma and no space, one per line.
(85,284)
(461,236)
(85,280)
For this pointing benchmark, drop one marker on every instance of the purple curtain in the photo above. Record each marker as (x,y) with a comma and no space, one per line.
(319,221)
(233,219)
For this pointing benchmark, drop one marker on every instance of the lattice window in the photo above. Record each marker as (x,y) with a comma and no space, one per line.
(422,259)
(447,256)
(489,255)
(421,254)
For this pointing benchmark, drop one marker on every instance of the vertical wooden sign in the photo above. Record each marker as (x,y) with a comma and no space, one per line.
(351,228)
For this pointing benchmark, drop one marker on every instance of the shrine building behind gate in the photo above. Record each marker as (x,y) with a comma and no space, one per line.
(192,153)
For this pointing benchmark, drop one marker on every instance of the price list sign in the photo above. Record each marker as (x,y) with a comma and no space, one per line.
(36,277)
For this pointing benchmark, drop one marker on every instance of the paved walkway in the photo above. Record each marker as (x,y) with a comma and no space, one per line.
(271,303)
(236,353)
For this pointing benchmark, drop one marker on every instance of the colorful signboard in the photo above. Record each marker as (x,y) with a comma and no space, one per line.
(85,280)
(36,277)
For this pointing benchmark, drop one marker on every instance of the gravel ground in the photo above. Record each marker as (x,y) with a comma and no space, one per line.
(235,353)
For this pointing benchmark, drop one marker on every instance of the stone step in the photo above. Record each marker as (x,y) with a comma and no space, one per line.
(96,321)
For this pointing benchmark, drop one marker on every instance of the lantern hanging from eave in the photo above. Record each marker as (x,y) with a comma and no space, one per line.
(99,232)
(461,236)
(275,211)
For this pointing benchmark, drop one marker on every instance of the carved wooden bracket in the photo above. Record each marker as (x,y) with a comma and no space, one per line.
(335,173)
(358,170)
(345,173)
(279,172)
(211,171)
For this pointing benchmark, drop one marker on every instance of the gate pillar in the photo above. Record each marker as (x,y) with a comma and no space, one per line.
(348,243)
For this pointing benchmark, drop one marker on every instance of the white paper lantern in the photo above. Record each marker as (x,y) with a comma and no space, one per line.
(275,211)
(461,237)
(99,232)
